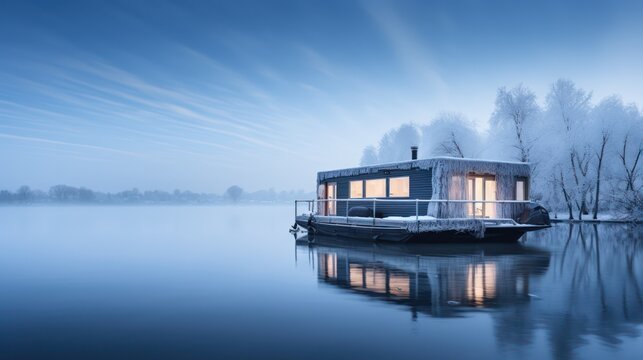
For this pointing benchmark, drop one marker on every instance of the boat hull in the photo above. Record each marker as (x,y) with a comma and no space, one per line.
(403,235)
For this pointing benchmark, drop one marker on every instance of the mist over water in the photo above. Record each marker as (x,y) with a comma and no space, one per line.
(231,282)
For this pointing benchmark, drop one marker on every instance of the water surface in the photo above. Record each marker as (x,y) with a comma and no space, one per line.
(230,282)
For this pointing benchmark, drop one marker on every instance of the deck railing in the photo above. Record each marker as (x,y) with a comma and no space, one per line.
(493,209)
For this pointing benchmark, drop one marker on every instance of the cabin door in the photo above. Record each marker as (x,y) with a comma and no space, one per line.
(481,188)
(331,195)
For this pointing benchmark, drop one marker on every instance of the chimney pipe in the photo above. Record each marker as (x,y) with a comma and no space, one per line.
(414,152)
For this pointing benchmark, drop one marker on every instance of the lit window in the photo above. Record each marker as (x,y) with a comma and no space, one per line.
(357,189)
(398,187)
(376,188)
(521,190)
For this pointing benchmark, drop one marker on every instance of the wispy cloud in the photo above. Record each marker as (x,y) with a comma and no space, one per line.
(65,143)
(414,53)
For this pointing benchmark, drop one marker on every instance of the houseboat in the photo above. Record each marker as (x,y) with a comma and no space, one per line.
(424,200)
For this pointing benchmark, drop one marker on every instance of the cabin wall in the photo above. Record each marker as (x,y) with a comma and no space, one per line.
(420,187)
(506,175)
(441,170)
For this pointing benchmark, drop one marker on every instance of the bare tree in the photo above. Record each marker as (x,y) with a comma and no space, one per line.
(566,195)
(631,170)
(580,171)
(451,146)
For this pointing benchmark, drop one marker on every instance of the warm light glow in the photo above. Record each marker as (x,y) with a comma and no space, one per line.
(356,274)
(481,282)
(481,188)
(328,265)
(357,189)
(399,285)
(376,188)
(376,280)
(399,187)
(331,193)
(470,196)
(478,195)
(490,194)
(368,279)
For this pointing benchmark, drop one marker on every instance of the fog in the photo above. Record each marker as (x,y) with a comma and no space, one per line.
(201,96)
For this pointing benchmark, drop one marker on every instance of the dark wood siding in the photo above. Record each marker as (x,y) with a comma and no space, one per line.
(420,188)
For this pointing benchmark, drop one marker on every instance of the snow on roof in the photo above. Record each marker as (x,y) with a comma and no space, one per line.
(453,164)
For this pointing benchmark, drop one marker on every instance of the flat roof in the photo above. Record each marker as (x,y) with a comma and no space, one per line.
(425,163)
(436,158)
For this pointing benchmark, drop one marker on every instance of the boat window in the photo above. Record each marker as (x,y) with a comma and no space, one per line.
(481,188)
(357,189)
(398,187)
(521,189)
(376,188)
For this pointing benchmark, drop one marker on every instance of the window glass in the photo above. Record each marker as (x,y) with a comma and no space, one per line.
(521,190)
(357,189)
(376,188)
(398,187)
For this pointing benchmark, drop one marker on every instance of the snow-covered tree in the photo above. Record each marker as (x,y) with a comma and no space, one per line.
(369,156)
(604,117)
(568,110)
(585,157)
(515,114)
(450,134)
(395,145)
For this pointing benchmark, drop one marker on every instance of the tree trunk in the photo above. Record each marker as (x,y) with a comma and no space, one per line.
(598,177)
(567,199)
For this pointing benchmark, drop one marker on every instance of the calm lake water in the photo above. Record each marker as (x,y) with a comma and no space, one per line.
(231,282)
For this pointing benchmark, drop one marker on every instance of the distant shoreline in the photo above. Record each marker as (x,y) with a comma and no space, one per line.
(597,221)
(249,203)
(94,204)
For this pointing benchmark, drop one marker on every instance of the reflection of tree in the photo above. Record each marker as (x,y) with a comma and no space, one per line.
(595,289)
(587,283)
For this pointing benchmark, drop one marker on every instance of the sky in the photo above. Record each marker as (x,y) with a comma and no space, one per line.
(201,95)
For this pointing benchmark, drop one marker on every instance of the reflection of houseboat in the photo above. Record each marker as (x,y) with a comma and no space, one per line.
(424,200)
(434,279)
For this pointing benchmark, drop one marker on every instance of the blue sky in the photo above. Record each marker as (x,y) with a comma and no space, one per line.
(202,95)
